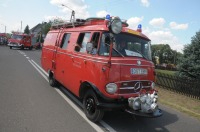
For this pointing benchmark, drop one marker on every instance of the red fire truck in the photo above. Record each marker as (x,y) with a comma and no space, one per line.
(3,39)
(105,64)
(20,40)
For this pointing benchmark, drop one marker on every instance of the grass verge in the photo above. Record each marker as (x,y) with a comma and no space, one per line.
(180,102)
(166,72)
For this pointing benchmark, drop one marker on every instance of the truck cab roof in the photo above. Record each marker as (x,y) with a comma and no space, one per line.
(92,24)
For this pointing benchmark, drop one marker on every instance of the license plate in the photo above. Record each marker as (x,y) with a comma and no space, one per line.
(138,71)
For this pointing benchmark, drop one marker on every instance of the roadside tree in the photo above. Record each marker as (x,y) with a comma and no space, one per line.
(189,64)
(26,30)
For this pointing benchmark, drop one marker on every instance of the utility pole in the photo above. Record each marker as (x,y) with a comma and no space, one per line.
(72,19)
(5,27)
(21,26)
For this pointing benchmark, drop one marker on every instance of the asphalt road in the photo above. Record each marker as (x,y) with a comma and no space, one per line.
(29,104)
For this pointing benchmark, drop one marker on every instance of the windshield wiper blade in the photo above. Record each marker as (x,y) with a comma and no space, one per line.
(116,50)
(141,54)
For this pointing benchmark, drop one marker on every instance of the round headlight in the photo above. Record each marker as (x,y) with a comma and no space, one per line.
(111,88)
(153,85)
(116,25)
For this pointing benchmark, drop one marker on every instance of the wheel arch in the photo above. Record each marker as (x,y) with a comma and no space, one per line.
(50,73)
(85,86)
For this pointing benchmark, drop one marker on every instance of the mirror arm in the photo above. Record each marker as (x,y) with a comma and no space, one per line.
(111,47)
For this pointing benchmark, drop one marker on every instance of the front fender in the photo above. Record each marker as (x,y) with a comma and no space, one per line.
(88,85)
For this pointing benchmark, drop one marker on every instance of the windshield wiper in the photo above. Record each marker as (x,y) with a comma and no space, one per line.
(140,53)
(115,50)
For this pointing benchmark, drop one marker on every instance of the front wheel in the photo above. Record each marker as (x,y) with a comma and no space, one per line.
(52,81)
(90,102)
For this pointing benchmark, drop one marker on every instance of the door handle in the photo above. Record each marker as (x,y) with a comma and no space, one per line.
(72,59)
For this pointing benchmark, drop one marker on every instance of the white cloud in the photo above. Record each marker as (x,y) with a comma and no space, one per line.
(145,3)
(78,6)
(15,27)
(157,22)
(1,20)
(174,25)
(48,18)
(101,13)
(134,21)
(165,37)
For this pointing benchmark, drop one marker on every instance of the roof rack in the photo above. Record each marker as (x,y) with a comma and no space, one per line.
(78,22)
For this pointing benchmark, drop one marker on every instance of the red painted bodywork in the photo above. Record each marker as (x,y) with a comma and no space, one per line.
(72,68)
(26,42)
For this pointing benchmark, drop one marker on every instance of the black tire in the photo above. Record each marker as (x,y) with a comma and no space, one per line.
(30,48)
(52,81)
(90,106)
(10,47)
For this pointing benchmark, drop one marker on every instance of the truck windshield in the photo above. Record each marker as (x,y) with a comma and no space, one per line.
(18,37)
(126,45)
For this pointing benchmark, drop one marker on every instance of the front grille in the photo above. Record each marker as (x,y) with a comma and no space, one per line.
(14,43)
(134,86)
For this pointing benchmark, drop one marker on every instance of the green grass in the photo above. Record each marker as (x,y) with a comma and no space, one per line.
(180,102)
(166,72)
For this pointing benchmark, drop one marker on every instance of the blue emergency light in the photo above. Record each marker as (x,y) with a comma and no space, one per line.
(139,28)
(108,17)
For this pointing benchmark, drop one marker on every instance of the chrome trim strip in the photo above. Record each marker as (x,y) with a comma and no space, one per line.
(49,49)
(134,81)
(134,87)
(99,60)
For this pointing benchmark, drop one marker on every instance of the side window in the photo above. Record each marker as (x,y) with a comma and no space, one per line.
(65,40)
(104,47)
(82,41)
(94,41)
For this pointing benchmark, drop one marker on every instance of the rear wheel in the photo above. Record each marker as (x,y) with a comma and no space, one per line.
(10,47)
(52,80)
(30,48)
(90,102)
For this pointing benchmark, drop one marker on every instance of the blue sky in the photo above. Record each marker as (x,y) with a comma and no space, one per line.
(172,22)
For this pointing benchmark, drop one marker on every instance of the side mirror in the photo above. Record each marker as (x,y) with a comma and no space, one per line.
(77,48)
(89,47)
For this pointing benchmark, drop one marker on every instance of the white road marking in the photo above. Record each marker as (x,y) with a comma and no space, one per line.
(39,71)
(109,128)
(21,52)
(81,113)
(95,126)
(40,68)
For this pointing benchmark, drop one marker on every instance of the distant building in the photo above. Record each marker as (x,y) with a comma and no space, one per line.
(36,32)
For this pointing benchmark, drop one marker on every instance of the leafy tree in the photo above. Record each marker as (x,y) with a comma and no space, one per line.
(189,65)
(26,30)
(46,27)
(164,53)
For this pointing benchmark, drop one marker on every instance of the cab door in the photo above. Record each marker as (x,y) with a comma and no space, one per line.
(61,57)
(79,60)
(27,41)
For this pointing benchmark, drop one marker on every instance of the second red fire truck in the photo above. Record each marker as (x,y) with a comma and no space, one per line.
(20,40)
